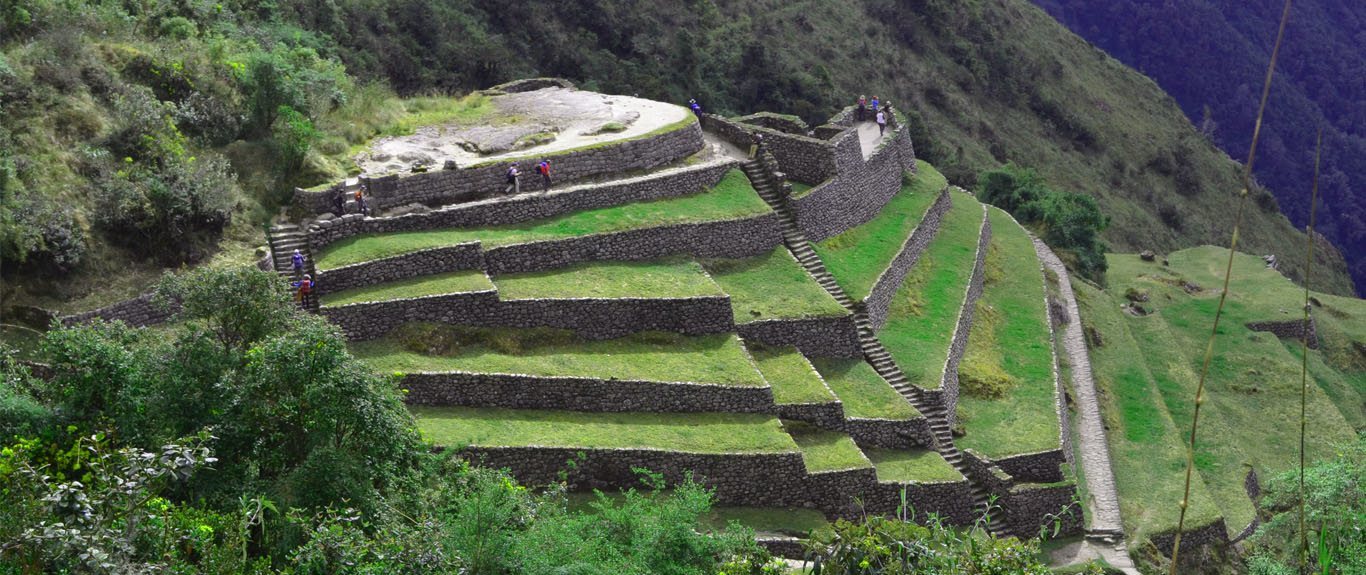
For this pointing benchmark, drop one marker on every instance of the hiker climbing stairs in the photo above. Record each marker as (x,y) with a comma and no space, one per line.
(283,240)
(767,182)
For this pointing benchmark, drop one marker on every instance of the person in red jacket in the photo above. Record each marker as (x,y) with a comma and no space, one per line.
(543,169)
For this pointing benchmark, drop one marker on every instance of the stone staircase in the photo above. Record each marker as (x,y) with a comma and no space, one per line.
(768,183)
(283,240)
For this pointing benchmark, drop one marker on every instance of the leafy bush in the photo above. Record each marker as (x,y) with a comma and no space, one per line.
(1335,514)
(38,233)
(170,211)
(890,546)
(1068,222)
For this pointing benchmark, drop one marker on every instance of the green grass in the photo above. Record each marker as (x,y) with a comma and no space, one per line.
(447,283)
(826,450)
(800,189)
(912,466)
(685,432)
(858,256)
(1149,366)
(650,356)
(1024,420)
(668,278)
(772,286)
(788,521)
(925,309)
(792,377)
(862,391)
(733,197)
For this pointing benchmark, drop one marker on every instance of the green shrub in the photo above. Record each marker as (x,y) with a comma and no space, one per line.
(178,28)
(168,213)
(1070,223)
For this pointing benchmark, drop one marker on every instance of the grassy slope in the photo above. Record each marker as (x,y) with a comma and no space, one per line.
(862,391)
(858,256)
(791,376)
(732,197)
(690,432)
(826,450)
(1148,368)
(912,465)
(714,359)
(1023,420)
(772,286)
(669,278)
(925,309)
(447,283)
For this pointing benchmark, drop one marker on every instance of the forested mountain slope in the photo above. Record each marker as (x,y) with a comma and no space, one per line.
(139,135)
(1210,55)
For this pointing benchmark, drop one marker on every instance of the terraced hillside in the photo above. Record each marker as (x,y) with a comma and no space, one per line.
(680,320)
(1147,333)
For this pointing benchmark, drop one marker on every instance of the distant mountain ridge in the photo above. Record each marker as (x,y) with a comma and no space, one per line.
(1211,54)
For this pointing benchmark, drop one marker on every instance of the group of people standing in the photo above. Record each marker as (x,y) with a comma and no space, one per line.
(514,177)
(878,109)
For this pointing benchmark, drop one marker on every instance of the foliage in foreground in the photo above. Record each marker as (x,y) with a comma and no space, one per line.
(1335,518)
(1069,223)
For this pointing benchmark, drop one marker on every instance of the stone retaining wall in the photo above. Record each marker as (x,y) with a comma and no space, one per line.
(140,311)
(948,387)
(889,433)
(581,394)
(1216,533)
(420,263)
(1289,329)
(951,500)
(667,145)
(591,318)
(1031,507)
(529,206)
(739,238)
(879,298)
(780,122)
(814,337)
(823,415)
(856,191)
(1041,467)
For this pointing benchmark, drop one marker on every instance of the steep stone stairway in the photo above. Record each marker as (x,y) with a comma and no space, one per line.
(767,182)
(283,240)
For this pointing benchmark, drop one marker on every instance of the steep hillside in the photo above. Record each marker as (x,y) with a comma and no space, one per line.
(1147,331)
(106,107)
(1210,57)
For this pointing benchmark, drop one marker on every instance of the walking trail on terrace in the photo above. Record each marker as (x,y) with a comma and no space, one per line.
(1094,452)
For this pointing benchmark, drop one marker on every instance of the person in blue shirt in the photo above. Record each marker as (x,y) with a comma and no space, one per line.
(298,260)
(875,104)
(696,109)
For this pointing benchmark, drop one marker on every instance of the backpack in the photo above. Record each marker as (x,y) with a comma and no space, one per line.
(512,175)
(543,168)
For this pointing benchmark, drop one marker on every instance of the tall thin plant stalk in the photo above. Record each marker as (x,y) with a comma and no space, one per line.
(1304,342)
(1228,273)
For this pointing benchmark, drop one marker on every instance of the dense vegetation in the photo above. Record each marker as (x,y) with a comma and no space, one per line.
(1335,511)
(140,134)
(1210,56)
(245,439)
(1069,223)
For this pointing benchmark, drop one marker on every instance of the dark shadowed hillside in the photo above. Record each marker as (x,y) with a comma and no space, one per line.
(1211,56)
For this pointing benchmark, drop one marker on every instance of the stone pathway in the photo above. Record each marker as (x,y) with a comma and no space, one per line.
(1094,450)
(724,147)
(868,137)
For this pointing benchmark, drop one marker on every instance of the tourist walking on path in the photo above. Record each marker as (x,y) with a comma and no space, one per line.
(881,123)
(543,168)
(298,260)
(514,180)
(360,202)
(875,104)
(862,108)
(305,286)
(339,203)
(696,109)
(756,144)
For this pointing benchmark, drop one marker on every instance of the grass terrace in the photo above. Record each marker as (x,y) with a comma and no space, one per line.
(685,432)
(788,521)
(647,356)
(793,379)
(911,466)
(669,278)
(864,393)
(772,286)
(463,281)
(925,309)
(858,256)
(1009,407)
(826,450)
(733,197)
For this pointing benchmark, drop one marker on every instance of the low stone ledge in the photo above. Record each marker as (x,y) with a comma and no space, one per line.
(829,416)
(466,256)
(879,298)
(372,320)
(528,206)
(140,311)
(1030,507)
(1040,467)
(889,433)
(1216,533)
(738,238)
(1293,330)
(520,391)
(950,500)
(814,337)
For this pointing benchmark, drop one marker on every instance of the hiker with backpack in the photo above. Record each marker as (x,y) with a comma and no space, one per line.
(696,109)
(543,168)
(756,145)
(862,108)
(305,287)
(881,122)
(875,104)
(513,180)
(360,202)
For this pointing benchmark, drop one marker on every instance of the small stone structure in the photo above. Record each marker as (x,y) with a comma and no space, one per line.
(1294,330)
